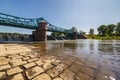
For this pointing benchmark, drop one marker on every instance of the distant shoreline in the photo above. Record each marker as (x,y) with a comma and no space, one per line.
(103,37)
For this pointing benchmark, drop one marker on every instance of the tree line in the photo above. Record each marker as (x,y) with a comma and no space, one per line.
(110,30)
(105,30)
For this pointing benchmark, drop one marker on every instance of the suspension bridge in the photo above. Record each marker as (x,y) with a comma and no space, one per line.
(39,24)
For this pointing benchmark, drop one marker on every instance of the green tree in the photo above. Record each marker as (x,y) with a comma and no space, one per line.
(110,29)
(102,30)
(117,30)
(91,32)
(82,32)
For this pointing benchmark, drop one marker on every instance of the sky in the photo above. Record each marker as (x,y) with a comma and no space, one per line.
(82,14)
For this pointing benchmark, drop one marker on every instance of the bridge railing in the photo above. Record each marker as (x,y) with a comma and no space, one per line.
(54,28)
(10,20)
(17,21)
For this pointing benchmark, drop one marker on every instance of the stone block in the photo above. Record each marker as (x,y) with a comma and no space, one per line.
(17,62)
(32,72)
(14,71)
(56,70)
(2,75)
(28,65)
(26,58)
(82,76)
(4,61)
(75,68)
(57,79)
(89,71)
(92,64)
(31,60)
(68,75)
(40,62)
(17,77)
(5,67)
(43,76)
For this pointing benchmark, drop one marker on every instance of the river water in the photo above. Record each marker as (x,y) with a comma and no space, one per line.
(103,56)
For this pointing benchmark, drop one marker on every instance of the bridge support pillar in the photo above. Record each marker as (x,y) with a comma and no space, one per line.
(40,33)
(75,35)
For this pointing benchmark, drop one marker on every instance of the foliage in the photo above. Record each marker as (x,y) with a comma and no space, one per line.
(102,30)
(82,32)
(117,30)
(91,32)
(104,37)
(110,29)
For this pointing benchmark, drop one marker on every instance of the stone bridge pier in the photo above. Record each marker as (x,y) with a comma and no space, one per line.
(40,33)
(75,35)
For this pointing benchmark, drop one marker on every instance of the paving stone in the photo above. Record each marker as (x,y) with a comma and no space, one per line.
(26,58)
(67,75)
(28,65)
(57,79)
(56,70)
(5,67)
(56,62)
(47,66)
(2,57)
(68,62)
(4,61)
(17,62)
(17,57)
(82,76)
(61,58)
(87,70)
(14,71)
(80,63)
(75,67)
(21,55)
(43,76)
(16,77)
(2,75)
(33,56)
(46,63)
(92,64)
(31,60)
(32,72)
(13,55)
(29,54)
(40,62)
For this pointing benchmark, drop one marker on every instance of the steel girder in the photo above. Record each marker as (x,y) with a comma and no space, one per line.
(9,20)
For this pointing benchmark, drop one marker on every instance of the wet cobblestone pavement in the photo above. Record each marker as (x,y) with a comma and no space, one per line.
(23,62)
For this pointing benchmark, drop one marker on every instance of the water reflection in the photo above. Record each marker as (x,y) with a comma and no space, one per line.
(81,46)
(70,45)
(40,47)
(105,49)
(109,47)
(102,52)
(91,45)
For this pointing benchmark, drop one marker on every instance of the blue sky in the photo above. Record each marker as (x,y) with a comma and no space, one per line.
(83,14)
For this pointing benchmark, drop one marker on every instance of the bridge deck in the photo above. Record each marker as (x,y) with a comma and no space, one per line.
(9,20)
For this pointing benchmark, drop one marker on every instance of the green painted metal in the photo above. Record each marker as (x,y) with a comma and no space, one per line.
(9,20)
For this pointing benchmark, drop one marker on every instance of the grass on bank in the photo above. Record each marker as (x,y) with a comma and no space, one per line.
(103,37)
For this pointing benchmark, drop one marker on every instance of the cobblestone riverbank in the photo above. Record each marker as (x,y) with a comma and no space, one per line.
(20,62)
